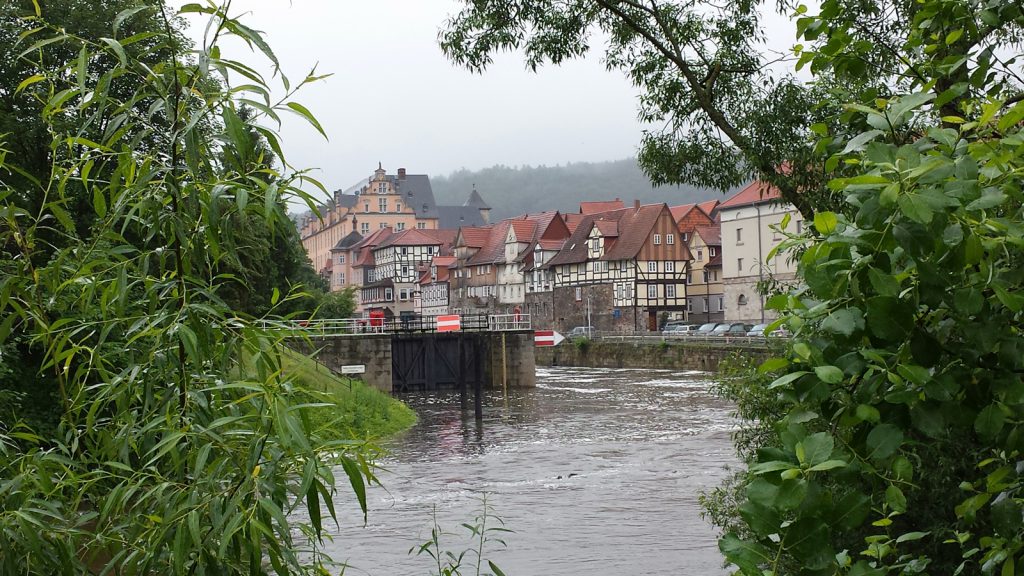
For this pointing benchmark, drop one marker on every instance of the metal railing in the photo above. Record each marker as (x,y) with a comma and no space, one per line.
(507,322)
(327,328)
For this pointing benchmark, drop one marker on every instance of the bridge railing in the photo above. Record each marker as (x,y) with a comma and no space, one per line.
(508,322)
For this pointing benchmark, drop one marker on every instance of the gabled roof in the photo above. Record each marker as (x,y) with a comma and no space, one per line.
(474,236)
(600,206)
(347,242)
(607,228)
(453,217)
(715,261)
(572,221)
(524,230)
(634,225)
(367,244)
(678,212)
(410,238)
(709,207)
(712,235)
(494,250)
(475,201)
(757,192)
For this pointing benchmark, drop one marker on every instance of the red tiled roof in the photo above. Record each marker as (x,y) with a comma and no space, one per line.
(715,261)
(600,206)
(524,230)
(607,228)
(755,193)
(410,238)
(494,249)
(712,235)
(475,236)
(709,207)
(634,225)
(551,244)
(678,212)
(572,221)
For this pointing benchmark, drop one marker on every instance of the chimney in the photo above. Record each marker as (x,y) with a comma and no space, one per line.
(636,204)
(401,173)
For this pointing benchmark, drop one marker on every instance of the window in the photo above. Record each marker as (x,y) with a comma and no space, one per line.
(405,270)
(366,206)
(579,294)
(652,266)
(623,266)
(742,300)
(684,236)
(689,305)
(341,258)
(711,252)
(721,304)
(618,291)
(400,226)
(739,235)
(398,206)
(404,249)
(705,271)
(652,290)
(739,265)
(382,204)
(341,277)
(389,294)
(383,225)
(670,239)
(689,277)
(700,255)
(705,301)
(599,265)
(670,291)
(430,249)
(421,225)
(657,238)
(595,246)
(382,188)
(670,266)
(403,294)
(364,228)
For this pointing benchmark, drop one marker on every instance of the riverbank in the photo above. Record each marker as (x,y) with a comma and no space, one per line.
(360,411)
(675,354)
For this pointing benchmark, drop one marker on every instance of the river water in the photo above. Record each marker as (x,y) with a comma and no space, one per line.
(596,471)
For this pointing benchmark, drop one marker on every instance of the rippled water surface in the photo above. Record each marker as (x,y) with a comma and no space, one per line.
(597,472)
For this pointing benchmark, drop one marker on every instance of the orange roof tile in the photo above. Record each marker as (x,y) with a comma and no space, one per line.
(600,206)
(754,193)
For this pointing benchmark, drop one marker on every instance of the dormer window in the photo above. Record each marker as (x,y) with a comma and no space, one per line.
(382,188)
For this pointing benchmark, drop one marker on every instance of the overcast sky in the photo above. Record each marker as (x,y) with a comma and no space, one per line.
(395,98)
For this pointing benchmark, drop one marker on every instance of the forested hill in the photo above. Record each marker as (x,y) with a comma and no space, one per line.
(511,191)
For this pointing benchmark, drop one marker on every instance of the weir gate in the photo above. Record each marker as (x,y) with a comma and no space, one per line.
(429,353)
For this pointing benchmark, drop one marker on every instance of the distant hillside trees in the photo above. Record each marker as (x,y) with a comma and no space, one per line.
(513,190)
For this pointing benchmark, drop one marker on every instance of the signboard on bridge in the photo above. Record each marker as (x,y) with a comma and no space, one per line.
(449,323)
(547,338)
(353,369)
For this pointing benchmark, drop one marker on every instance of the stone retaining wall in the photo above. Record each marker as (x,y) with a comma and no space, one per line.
(659,355)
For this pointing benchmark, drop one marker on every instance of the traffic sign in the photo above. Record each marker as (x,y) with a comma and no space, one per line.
(353,369)
(547,338)
(448,323)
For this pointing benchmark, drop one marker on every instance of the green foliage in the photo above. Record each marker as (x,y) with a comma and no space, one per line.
(720,114)
(582,343)
(482,534)
(896,443)
(340,304)
(358,412)
(170,455)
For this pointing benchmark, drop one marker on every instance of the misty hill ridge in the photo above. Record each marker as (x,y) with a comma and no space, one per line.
(511,191)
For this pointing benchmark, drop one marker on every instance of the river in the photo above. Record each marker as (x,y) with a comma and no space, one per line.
(596,471)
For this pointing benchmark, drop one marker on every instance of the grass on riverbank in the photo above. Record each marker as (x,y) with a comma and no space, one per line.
(362,412)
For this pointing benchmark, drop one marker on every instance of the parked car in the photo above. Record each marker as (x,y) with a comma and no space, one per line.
(581,332)
(705,329)
(731,329)
(672,324)
(757,331)
(739,329)
(679,329)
